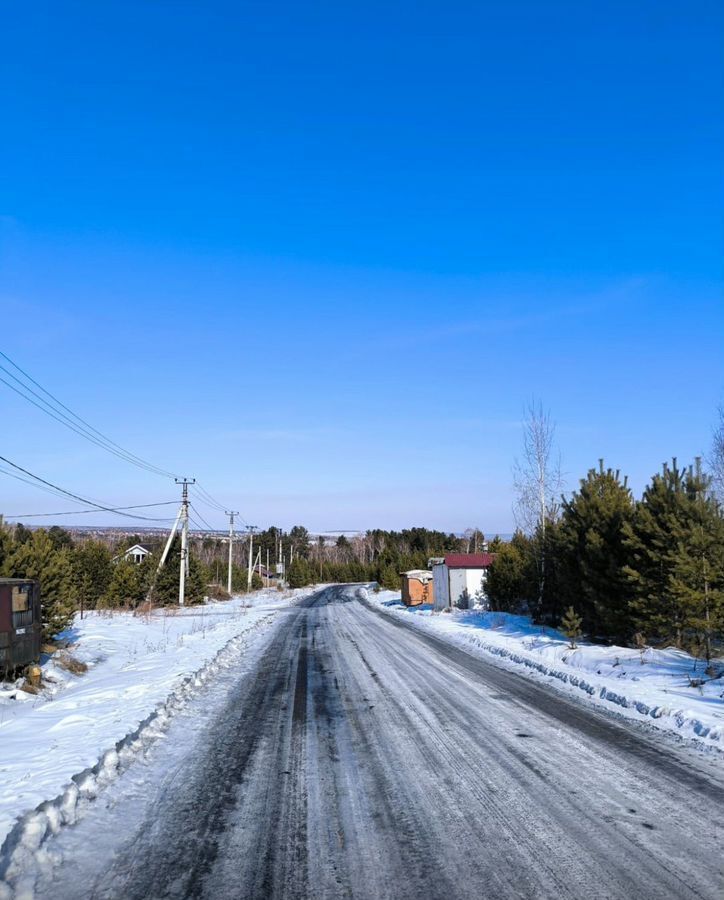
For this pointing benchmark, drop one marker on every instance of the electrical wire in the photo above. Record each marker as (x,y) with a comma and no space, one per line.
(81,512)
(202,518)
(206,497)
(64,420)
(75,497)
(203,496)
(200,527)
(53,493)
(72,420)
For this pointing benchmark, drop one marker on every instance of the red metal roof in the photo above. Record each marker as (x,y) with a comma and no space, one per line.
(469,560)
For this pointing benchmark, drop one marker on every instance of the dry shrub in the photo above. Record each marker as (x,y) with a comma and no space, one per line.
(70,663)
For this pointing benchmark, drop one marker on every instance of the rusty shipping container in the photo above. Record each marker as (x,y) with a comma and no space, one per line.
(20,623)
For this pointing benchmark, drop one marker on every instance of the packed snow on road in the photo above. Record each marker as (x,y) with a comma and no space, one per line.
(667,688)
(334,744)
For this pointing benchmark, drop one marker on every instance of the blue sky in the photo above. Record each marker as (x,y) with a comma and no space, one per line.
(321,255)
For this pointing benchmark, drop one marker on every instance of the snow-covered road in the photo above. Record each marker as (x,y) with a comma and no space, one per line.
(356,757)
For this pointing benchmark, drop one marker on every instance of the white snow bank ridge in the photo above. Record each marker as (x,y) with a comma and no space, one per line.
(135,665)
(653,686)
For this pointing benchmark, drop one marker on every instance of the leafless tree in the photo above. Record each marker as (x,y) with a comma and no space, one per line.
(715,459)
(537,480)
(474,540)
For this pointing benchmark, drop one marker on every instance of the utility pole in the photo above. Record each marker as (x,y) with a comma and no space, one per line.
(184,568)
(252,528)
(231,513)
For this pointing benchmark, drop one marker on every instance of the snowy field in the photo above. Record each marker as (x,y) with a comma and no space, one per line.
(654,686)
(139,667)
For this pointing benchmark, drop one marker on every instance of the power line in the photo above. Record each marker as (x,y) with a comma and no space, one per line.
(48,490)
(206,497)
(76,497)
(53,493)
(81,512)
(203,519)
(196,524)
(80,426)
(64,420)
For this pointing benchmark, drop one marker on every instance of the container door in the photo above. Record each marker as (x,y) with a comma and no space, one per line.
(22,605)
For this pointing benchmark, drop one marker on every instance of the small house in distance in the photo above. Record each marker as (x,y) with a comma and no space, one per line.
(417,587)
(135,554)
(459,579)
(20,623)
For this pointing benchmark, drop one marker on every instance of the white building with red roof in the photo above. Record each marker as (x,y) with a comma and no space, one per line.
(459,579)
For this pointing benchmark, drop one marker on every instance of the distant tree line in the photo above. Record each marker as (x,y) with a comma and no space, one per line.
(79,574)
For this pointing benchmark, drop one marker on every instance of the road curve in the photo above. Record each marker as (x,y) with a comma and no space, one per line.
(363,759)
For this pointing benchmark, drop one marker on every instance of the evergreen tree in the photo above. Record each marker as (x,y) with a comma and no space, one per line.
(299,573)
(571,626)
(512,581)
(674,541)
(6,546)
(299,541)
(697,576)
(93,572)
(495,544)
(60,537)
(127,587)
(389,577)
(22,534)
(593,552)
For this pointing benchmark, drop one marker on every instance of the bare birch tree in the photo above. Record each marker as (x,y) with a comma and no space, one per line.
(537,481)
(715,459)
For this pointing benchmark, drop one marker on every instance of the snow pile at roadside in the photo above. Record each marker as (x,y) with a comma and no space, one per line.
(134,665)
(654,685)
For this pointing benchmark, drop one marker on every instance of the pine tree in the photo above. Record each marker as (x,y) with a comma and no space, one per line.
(675,541)
(594,553)
(93,572)
(512,581)
(571,626)
(697,577)
(127,587)
(299,573)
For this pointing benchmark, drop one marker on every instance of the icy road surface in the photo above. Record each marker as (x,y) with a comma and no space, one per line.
(354,757)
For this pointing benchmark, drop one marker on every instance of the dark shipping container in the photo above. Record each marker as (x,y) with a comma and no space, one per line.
(20,624)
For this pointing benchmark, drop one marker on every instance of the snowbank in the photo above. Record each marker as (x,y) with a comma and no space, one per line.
(135,665)
(652,686)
